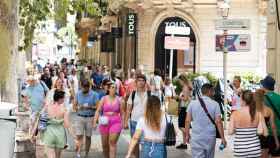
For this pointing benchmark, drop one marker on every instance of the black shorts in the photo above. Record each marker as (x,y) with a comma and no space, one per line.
(271,146)
(264,142)
(182,117)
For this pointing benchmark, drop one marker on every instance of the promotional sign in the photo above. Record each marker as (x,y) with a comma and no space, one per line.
(175,30)
(232,24)
(131,24)
(234,43)
(179,43)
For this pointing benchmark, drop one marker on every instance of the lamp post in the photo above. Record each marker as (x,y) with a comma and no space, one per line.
(224,10)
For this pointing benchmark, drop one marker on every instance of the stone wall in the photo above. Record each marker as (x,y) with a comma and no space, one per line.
(273,40)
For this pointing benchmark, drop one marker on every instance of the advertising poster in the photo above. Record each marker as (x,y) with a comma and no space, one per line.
(234,43)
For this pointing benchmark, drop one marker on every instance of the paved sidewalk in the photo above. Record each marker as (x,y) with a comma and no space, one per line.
(96,151)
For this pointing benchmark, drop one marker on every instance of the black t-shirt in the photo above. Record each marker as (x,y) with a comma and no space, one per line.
(47,80)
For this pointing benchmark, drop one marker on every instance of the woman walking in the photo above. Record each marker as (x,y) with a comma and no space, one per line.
(268,115)
(110,120)
(54,137)
(169,91)
(58,85)
(184,100)
(152,126)
(244,123)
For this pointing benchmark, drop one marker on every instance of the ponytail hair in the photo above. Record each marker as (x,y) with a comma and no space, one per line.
(248,97)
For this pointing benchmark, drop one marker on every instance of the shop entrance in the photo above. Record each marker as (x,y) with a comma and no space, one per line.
(183,59)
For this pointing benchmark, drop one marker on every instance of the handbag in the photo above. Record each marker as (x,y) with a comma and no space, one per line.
(170,133)
(43,120)
(262,128)
(218,135)
(103,120)
(173,107)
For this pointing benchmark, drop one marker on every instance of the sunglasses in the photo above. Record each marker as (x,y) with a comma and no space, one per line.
(112,86)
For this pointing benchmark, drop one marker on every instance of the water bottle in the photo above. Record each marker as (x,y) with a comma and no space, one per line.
(222,147)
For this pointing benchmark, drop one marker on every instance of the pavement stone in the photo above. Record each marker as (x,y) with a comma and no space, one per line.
(96,147)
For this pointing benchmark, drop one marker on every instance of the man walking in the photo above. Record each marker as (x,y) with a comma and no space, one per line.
(34,96)
(46,77)
(272,100)
(85,105)
(203,137)
(136,105)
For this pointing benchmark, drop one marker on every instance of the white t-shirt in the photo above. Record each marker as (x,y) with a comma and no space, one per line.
(156,82)
(148,132)
(139,105)
(169,90)
(74,80)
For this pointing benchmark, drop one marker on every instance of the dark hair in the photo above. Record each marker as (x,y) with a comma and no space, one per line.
(105,82)
(157,72)
(141,76)
(167,79)
(206,88)
(153,113)
(58,94)
(248,97)
(113,75)
(109,84)
(85,83)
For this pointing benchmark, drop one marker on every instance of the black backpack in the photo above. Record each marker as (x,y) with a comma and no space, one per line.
(170,133)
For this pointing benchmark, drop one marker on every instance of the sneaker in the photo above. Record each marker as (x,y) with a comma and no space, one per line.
(182,146)
(78,156)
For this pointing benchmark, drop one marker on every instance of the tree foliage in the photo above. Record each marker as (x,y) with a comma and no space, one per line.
(31,13)
(34,11)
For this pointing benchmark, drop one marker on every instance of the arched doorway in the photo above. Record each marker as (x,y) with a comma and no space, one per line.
(183,59)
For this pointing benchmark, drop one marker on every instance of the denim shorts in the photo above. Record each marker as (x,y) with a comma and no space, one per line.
(132,125)
(153,150)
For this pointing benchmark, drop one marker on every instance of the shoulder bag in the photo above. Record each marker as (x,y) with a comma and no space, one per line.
(218,135)
(170,133)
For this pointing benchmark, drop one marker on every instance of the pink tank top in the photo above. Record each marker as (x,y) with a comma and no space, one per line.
(115,106)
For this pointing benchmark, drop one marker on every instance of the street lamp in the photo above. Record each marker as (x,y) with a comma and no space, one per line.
(224,11)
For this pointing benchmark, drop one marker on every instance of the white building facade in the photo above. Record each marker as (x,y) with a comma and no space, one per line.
(201,17)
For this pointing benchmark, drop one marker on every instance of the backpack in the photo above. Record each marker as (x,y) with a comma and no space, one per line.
(133,97)
(45,90)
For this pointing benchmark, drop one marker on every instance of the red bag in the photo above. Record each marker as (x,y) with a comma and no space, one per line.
(122,91)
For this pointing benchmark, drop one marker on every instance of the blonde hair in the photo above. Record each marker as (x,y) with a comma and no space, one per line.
(153,113)
(259,99)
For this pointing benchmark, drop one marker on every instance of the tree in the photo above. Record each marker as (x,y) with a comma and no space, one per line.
(10,58)
(34,11)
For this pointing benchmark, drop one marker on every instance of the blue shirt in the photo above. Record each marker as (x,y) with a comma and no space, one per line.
(101,94)
(36,95)
(91,98)
(97,79)
(202,127)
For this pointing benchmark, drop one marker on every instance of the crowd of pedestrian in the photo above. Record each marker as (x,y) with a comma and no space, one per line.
(99,97)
